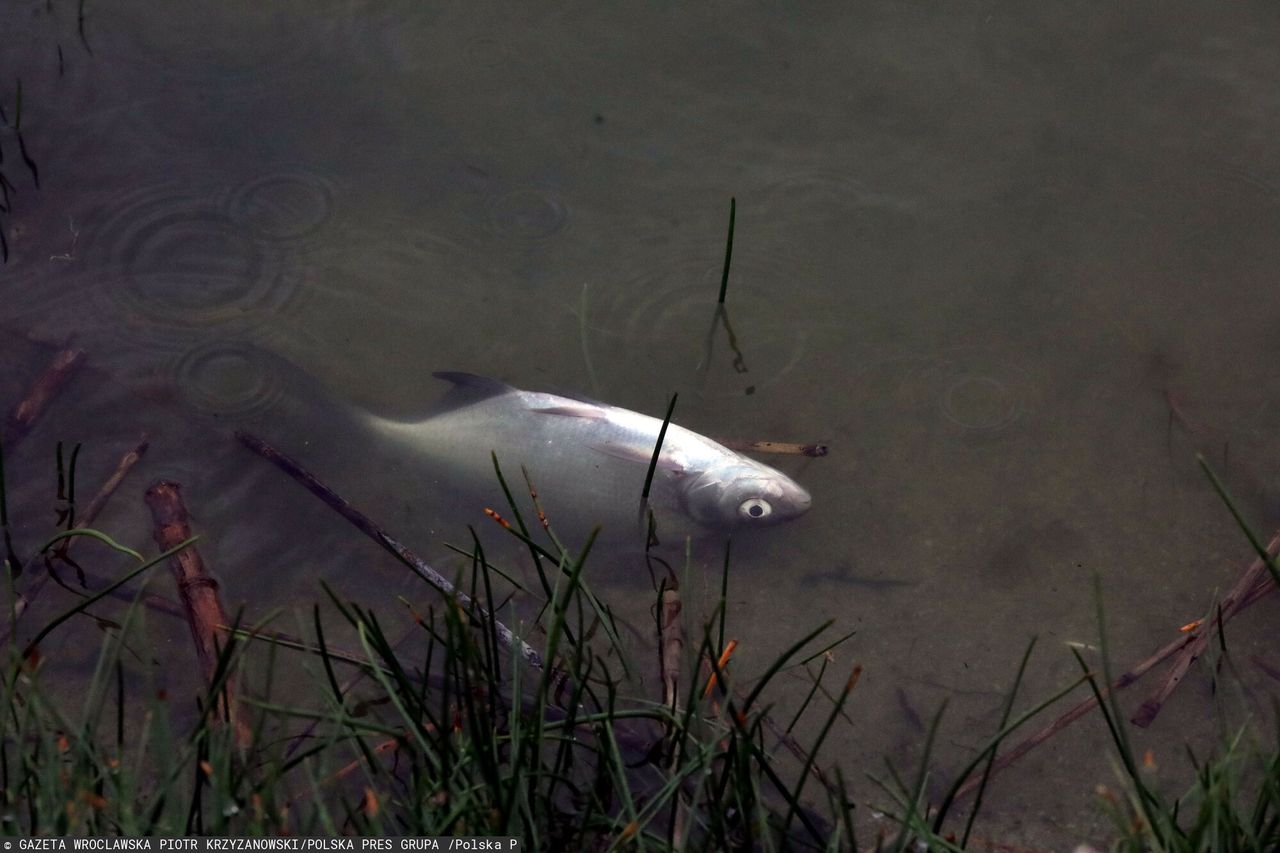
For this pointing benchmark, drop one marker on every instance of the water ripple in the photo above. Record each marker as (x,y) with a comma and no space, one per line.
(176,264)
(226,379)
(285,207)
(526,215)
(818,191)
(972,390)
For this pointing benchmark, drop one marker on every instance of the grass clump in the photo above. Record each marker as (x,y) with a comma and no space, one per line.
(440,732)
(447,729)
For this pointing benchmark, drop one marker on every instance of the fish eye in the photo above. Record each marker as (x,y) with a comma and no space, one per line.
(755,508)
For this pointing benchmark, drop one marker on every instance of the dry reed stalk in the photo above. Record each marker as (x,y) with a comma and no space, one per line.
(197,590)
(793,746)
(39,395)
(1241,594)
(1189,644)
(783,447)
(1264,587)
(1084,707)
(1247,591)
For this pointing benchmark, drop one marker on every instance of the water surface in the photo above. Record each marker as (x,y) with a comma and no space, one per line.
(980,248)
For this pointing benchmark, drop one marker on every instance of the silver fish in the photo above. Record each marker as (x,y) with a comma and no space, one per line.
(595,454)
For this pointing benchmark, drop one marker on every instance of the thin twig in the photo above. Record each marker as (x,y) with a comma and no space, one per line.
(1243,592)
(782,447)
(1263,586)
(1074,714)
(793,746)
(341,506)
(39,395)
(86,519)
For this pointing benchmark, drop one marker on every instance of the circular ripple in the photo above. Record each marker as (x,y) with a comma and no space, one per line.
(225,378)
(176,265)
(480,213)
(193,268)
(283,208)
(526,215)
(819,191)
(975,391)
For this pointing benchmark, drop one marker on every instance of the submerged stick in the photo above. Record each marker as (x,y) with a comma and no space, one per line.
(1262,586)
(1242,594)
(341,506)
(1262,589)
(39,395)
(781,447)
(197,590)
(86,518)
(1075,713)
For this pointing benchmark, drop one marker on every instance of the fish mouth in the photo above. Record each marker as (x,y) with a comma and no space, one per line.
(801,501)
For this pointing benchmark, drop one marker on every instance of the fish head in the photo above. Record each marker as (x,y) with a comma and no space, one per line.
(744,493)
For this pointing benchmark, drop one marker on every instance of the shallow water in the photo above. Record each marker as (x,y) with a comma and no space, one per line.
(983,250)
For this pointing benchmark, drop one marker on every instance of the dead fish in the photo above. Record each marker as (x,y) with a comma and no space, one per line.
(597,453)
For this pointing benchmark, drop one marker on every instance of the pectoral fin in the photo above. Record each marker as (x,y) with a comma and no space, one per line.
(574,410)
(639,455)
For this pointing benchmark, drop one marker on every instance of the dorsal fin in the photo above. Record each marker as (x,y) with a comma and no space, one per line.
(480,386)
(468,389)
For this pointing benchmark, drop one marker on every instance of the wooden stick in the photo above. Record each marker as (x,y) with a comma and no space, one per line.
(1084,707)
(1232,604)
(793,746)
(783,447)
(1267,667)
(39,395)
(341,506)
(1262,589)
(1264,586)
(86,519)
(198,591)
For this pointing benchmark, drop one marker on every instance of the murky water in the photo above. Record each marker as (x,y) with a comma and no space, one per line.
(981,250)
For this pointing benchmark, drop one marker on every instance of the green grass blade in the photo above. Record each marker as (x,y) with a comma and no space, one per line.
(728,250)
(657,451)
